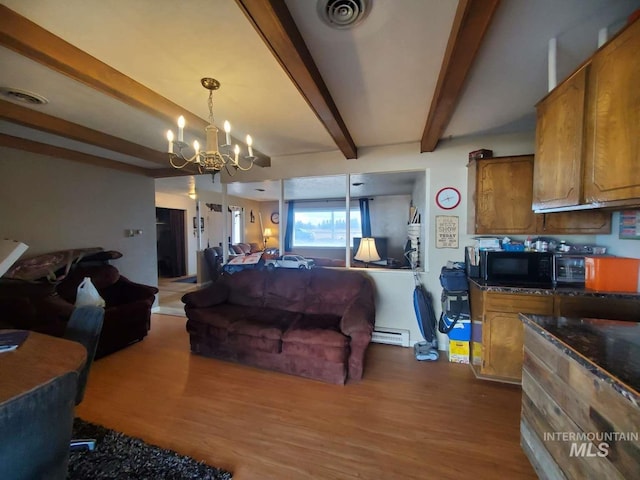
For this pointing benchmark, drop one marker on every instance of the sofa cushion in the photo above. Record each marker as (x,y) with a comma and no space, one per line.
(331,291)
(316,336)
(286,289)
(214,321)
(246,288)
(266,323)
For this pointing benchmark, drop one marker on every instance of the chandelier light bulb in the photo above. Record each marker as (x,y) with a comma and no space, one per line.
(196,146)
(249,143)
(227,132)
(181,124)
(236,150)
(170,139)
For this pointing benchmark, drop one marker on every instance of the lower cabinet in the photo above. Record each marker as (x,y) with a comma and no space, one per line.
(597,307)
(502,331)
(497,332)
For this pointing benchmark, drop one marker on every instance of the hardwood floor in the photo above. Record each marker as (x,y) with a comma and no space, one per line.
(405,420)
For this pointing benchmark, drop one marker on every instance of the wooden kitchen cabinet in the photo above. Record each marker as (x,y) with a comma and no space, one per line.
(502,331)
(596,307)
(557,172)
(501,190)
(612,156)
(575,223)
(587,148)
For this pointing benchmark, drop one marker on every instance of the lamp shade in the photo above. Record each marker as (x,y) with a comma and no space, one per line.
(367,251)
(267,232)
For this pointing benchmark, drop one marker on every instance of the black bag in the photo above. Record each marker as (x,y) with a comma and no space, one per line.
(454,279)
(455,307)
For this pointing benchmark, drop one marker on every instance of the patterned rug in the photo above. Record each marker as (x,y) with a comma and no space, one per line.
(120,457)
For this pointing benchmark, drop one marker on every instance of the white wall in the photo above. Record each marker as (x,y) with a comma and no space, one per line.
(617,246)
(52,204)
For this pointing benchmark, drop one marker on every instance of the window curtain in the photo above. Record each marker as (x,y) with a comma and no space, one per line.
(288,233)
(365,217)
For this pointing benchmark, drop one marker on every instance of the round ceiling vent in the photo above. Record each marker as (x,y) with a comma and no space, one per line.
(342,13)
(23,96)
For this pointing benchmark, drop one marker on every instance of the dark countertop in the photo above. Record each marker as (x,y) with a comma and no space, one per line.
(537,290)
(610,349)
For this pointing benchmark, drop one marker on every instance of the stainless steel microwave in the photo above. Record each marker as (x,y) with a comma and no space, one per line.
(517,268)
(569,269)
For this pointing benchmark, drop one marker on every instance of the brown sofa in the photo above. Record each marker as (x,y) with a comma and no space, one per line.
(314,323)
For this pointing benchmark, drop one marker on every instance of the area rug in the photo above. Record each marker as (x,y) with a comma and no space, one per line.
(187,280)
(120,457)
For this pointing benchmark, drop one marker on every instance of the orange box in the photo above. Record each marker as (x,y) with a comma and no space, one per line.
(611,274)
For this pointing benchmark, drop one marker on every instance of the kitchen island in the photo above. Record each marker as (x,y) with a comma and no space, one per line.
(580,401)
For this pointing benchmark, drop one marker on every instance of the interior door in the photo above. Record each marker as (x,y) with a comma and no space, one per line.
(170,242)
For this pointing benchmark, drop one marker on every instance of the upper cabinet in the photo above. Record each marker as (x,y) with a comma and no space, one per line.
(588,132)
(557,170)
(500,192)
(500,195)
(612,159)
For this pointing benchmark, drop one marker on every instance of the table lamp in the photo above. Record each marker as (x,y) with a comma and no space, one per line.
(367,251)
(266,234)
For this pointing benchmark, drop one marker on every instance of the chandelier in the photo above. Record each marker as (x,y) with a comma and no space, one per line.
(211,159)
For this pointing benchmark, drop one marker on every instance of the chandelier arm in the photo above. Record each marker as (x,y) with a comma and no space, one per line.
(235,170)
(173,157)
(244,169)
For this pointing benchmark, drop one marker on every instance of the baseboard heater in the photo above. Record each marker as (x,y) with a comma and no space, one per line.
(391,336)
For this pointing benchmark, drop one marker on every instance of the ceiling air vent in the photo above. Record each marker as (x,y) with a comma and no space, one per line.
(23,96)
(342,13)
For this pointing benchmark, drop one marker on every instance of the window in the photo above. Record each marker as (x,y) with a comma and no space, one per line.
(324,226)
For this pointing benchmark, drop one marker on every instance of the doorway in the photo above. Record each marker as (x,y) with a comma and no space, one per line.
(170,234)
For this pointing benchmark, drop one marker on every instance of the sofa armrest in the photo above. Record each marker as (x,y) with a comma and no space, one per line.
(127,291)
(207,297)
(359,317)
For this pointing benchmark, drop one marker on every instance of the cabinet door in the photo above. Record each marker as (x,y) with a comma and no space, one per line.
(612,154)
(578,222)
(557,171)
(597,307)
(502,339)
(503,196)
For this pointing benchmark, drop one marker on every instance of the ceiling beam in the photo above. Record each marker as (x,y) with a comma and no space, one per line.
(31,118)
(273,21)
(59,152)
(32,41)
(470,25)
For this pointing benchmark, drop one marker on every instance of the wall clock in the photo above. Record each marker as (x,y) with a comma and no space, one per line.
(448,198)
(275,217)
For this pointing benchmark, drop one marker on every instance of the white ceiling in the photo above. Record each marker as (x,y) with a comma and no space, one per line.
(381,74)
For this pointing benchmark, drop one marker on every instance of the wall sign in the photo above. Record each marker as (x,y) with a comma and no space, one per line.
(630,224)
(446,231)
